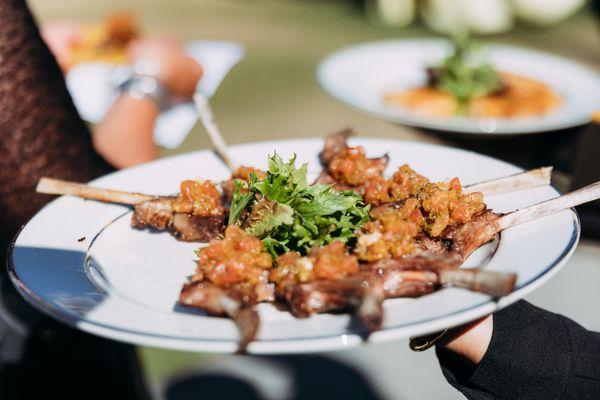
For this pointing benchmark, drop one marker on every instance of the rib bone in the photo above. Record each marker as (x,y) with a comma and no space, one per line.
(495,284)
(548,207)
(468,237)
(60,187)
(524,180)
(208,120)
(399,282)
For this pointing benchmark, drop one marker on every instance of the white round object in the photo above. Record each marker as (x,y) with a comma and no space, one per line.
(81,262)
(360,76)
(397,13)
(544,12)
(475,16)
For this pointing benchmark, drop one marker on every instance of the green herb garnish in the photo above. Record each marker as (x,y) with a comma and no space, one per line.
(289,214)
(465,74)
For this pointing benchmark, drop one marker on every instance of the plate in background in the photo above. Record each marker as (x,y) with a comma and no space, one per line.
(81,262)
(360,76)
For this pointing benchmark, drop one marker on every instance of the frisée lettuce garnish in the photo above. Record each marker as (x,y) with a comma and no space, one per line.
(288,214)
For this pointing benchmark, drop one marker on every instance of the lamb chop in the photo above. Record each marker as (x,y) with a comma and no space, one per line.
(331,279)
(347,167)
(236,303)
(364,292)
(198,213)
(230,279)
(427,271)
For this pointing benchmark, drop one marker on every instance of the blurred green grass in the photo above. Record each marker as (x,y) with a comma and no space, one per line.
(273,94)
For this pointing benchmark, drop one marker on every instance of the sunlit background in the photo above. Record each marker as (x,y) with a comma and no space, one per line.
(273,94)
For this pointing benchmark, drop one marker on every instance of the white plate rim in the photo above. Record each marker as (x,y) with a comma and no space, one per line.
(298,345)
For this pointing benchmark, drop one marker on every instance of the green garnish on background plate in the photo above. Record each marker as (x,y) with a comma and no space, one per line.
(289,214)
(465,74)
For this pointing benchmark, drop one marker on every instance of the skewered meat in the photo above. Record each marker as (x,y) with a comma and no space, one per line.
(329,262)
(230,279)
(236,303)
(351,166)
(468,237)
(406,182)
(334,144)
(347,167)
(202,223)
(190,228)
(159,214)
(364,292)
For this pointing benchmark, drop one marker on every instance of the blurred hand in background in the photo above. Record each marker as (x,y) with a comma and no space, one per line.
(173,67)
(61,37)
(125,136)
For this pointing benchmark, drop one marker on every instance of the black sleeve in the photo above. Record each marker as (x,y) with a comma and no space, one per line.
(533,354)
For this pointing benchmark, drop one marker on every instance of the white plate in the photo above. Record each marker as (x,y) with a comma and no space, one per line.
(127,287)
(361,75)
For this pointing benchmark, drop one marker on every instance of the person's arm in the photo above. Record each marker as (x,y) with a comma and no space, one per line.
(125,136)
(523,352)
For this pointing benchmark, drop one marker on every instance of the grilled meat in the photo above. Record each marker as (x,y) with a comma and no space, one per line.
(159,214)
(236,302)
(362,293)
(191,228)
(346,167)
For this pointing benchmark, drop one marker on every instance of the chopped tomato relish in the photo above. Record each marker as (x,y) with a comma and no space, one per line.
(391,233)
(236,258)
(199,198)
(352,167)
(444,205)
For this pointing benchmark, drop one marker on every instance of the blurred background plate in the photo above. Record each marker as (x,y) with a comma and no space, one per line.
(81,262)
(360,76)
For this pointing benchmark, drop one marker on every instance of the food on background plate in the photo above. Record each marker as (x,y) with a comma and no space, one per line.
(105,42)
(323,247)
(464,84)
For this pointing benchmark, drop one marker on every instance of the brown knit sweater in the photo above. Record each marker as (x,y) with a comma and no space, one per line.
(41,133)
